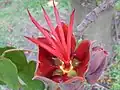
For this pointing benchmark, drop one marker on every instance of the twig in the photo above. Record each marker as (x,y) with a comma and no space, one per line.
(91,17)
(116,27)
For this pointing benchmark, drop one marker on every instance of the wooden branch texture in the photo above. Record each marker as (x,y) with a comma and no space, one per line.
(92,16)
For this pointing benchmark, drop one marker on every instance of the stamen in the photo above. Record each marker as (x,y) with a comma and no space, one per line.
(75,62)
(64,70)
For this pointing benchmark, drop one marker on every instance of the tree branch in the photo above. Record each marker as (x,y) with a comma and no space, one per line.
(92,16)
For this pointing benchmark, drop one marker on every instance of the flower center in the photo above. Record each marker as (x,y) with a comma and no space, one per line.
(66,68)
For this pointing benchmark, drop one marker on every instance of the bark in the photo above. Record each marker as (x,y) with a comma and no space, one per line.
(115,30)
(100,28)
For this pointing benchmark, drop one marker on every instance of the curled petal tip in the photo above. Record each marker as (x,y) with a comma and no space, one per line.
(28,12)
(26,37)
(42,7)
(106,53)
(53,3)
(74,10)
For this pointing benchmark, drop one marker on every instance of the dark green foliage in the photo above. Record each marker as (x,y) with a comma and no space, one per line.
(17,57)
(8,73)
(117,5)
(16,72)
(114,70)
(27,74)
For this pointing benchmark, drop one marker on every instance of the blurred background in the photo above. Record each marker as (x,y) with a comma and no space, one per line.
(15,24)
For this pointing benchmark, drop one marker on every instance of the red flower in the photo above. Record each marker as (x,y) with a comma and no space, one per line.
(59,57)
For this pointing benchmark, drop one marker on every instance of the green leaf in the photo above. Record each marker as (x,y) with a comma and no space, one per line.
(117,5)
(8,73)
(98,2)
(25,69)
(17,57)
(21,81)
(2,83)
(27,74)
(4,49)
(115,86)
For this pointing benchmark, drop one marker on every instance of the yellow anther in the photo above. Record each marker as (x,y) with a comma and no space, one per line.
(65,70)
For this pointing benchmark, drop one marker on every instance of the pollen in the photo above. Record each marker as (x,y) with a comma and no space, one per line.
(62,67)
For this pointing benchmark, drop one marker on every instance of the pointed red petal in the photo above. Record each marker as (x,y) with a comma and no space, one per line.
(73,44)
(73,41)
(51,28)
(45,46)
(62,38)
(82,53)
(46,30)
(57,49)
(49,22)
(46,34)
(65,30)
(69,34)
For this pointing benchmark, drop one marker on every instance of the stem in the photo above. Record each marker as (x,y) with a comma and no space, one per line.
(92,16)
(116,27)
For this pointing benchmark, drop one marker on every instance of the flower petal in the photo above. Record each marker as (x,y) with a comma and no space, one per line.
(45,66)
(82,53)
(69,33)
(54,35)
(47,46)
(40,28)
(50,23)
(97,65)
(65,30)
(75,83)
(59,79)
(62,38)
